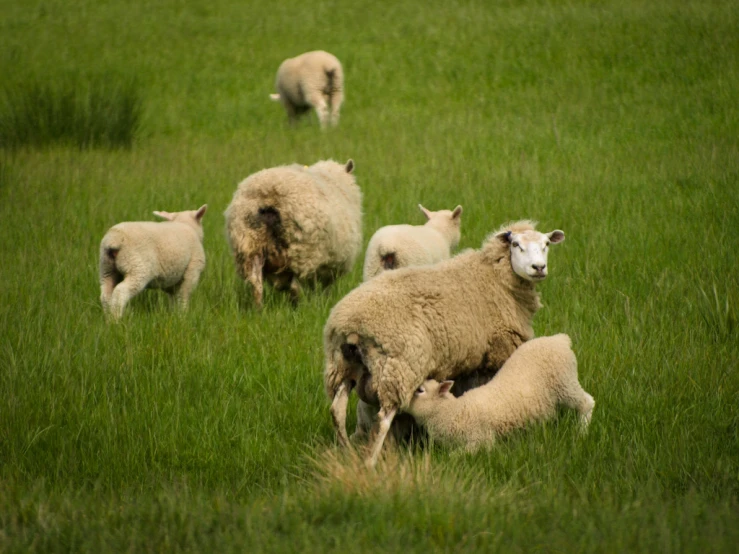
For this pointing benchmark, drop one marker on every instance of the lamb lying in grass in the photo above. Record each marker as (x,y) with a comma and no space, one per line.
(440,321)
(135,255)
(396,246)
(295,223)
(538,377)
(311,80)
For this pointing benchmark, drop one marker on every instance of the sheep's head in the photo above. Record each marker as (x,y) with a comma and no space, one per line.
(427,395)
(529,251)
(447,222)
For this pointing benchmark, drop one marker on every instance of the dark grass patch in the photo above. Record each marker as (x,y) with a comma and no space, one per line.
(103,112)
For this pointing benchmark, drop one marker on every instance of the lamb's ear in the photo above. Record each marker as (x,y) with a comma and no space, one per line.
(274,97)
(504,237)
(457,212)
(556,236)
(164,215)
(349,166)
(425,211)
(444,387)
(201,212)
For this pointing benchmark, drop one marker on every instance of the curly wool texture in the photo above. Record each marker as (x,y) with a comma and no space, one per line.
(311,80)
(538,377)
(320,220)
(135,255)
(411,245)
(437,321)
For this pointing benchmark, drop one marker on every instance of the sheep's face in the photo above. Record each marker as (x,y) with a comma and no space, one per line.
(529,252)
(427,395)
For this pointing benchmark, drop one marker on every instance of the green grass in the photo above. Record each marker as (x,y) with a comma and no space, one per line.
(209,431)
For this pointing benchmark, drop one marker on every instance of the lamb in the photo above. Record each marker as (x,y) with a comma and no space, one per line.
(167,255)
(395,246)
(311,80)
(538,377)
(295,223)
(440,321)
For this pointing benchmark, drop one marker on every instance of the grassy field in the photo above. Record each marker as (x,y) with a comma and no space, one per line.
(616,121)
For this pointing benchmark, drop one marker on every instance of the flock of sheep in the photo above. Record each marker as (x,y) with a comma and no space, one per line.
(421,317)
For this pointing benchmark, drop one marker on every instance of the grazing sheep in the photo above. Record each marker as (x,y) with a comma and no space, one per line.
(393,332)
(295,223)
(168,255)
(538,377)
(395,246)
(311,80)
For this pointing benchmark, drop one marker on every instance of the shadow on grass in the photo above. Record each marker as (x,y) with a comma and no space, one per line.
(102,112)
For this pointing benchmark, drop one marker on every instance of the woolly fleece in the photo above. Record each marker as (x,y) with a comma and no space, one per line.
(538,377)
(318,233)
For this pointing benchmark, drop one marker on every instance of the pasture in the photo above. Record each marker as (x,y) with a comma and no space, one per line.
(615,121)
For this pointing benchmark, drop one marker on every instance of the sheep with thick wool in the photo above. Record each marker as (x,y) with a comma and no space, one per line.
(396,246)
(470,312)
(314,80)
(540,376)
(167,255)
(295,223)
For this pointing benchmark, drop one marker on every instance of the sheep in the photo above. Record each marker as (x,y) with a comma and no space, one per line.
(538,377)
(311,80)
(167,255)
(391,333)
(395,246)
(295,223)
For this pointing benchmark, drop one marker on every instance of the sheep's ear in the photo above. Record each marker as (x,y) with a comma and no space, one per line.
(349,166)
(556,236)
(274,97)
(444,387)
(425,211)
(164,215)
(457,212)
(504,237)
(201,212)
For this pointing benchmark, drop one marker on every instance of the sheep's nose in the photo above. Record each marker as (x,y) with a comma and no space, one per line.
(539,268)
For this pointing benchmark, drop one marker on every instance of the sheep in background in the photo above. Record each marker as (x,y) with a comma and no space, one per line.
(294,223)
(395,246)
(311,80)
(167,255)
(393,332)
(538,377)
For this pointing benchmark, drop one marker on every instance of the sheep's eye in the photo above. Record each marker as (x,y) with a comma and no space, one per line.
(420,390)
(514,244)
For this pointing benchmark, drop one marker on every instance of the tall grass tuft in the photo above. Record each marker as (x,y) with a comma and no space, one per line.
(103,112)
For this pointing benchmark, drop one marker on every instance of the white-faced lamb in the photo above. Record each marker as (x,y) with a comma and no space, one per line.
(167,255)
(396,246)
(440,321)
(540,376)
(295,223)
(314,80)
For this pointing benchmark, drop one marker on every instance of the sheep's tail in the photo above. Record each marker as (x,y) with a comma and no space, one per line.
(389,260)
(112,253)
(270,217)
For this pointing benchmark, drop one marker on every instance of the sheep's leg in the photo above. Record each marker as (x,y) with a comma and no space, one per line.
(319,103)
(254,276)
(295,290)
(107,285)
(337,98)
(385,418)
(338,410)
(188,284)
(123,292)
(579,400)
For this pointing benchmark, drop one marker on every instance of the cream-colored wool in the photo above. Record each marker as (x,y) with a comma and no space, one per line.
(295,223)
(538,377)
(396,246)
(439,321)
(135,255)
(311,80)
